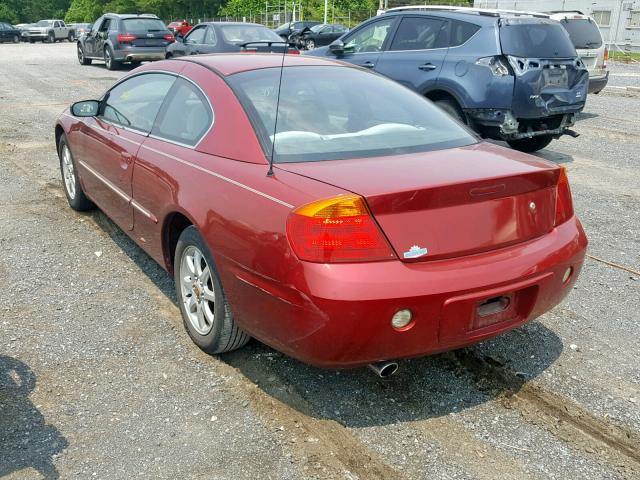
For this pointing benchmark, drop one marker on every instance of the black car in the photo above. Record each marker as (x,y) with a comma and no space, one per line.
(9,33)
(224,37)
(317,36)
(287,29)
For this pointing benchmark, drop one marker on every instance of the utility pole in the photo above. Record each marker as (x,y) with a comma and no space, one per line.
(326,6)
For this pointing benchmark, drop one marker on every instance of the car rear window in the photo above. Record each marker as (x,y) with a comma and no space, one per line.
(330,113)
(143,25)
(251,33)
(535,39)
(583,32)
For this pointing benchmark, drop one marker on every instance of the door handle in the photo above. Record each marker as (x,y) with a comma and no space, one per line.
(427,67)
(368,65)
(126,158)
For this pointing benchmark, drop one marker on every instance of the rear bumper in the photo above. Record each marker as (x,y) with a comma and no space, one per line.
(596,84)
(342,316)
(503,125)
(140,54)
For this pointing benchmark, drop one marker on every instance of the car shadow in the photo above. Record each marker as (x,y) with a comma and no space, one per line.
(26,441)
(423,388)
(546,153)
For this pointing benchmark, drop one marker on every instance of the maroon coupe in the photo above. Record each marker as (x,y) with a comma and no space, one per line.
(384,230)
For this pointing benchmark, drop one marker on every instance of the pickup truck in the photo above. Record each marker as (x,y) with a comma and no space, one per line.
(50,31)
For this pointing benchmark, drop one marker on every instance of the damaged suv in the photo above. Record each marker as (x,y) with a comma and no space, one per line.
(510,76)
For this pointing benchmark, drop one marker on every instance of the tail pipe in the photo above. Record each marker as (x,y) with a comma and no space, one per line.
(384,369)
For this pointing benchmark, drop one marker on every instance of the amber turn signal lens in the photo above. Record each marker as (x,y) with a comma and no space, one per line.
(564,203)
(337,229)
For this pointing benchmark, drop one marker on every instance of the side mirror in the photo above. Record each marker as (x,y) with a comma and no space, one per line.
(86,108)
(337,47)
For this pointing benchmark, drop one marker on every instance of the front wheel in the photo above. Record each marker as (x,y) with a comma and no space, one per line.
(81,56)
(72,188)
(532,144)
(203,304)
(51,38)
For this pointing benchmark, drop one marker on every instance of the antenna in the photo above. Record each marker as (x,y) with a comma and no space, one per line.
(275,123)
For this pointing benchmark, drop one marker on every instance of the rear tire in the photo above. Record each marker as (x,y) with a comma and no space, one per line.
(532,144)
(203,304)
(31,40)
(51,38)
(16,39)
(310,44)
(109,62)
(70,180)
(71,37)
(453,109)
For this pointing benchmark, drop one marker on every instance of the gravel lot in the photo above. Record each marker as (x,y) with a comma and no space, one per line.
(99,380)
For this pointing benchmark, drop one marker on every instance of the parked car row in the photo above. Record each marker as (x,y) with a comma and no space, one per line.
(317,36)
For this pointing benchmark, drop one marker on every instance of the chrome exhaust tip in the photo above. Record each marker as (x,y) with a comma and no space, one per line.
(384,369)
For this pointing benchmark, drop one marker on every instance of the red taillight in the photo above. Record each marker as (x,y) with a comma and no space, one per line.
(335,230)
(126,38)
(564,203)
(293,52)
(606,57)
(169,38)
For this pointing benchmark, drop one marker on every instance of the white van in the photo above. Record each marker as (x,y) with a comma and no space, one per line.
(587,39)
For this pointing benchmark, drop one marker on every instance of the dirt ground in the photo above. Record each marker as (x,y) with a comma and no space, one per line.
(99,380)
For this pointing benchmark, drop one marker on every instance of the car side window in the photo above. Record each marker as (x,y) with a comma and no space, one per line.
(135,102)
(96,26)
(2,27)
(105,25)
(210,36)
(419,33)
(461,32)
(186,115)
(369,38)
(196,36)
(56,25)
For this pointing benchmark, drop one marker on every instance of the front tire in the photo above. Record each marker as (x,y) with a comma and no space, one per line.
(532,144)
(203,304)
(70,181)
(81,56)
(51,38)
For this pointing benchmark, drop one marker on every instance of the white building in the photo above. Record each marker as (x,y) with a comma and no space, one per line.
(619,20)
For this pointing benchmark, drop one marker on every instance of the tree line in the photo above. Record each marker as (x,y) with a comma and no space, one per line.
(27,11)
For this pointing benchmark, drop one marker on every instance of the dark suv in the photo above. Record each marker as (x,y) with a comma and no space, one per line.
(508,75)
(117,38)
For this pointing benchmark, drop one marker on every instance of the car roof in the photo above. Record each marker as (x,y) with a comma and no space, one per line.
(132,15)
(485,16)
(230,63)
(232,24)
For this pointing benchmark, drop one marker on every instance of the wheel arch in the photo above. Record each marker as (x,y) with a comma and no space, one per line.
(172,227)
(443,94)
(58,132)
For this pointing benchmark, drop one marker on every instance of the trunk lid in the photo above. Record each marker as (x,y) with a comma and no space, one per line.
(449,203)
(550,79)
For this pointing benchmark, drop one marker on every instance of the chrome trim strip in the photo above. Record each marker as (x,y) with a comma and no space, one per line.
(144,211)
(221,177)
(113,134)
(116,190)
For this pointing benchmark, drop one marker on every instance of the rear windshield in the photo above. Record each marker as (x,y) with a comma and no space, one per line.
(251,33)
(143,25)
(583,32)
(330,113)
(528,39)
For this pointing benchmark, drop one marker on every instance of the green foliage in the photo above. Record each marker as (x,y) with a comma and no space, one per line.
(7,14)
(83,11)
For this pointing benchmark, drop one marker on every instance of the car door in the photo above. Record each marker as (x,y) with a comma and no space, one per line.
(108,24)
(111,141)
(364,45)
(184,119)
(92,36)
(194,42)
(416,53)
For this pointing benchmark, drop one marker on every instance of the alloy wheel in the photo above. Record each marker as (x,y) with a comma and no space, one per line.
(68,172)
(311,44)
(197,290)
(80,54)
(107,59)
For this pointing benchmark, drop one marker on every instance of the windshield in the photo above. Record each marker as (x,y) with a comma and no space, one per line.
(143,25)
(542,39)
(583,32)
(44,23)
(250,33)
(330,113)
